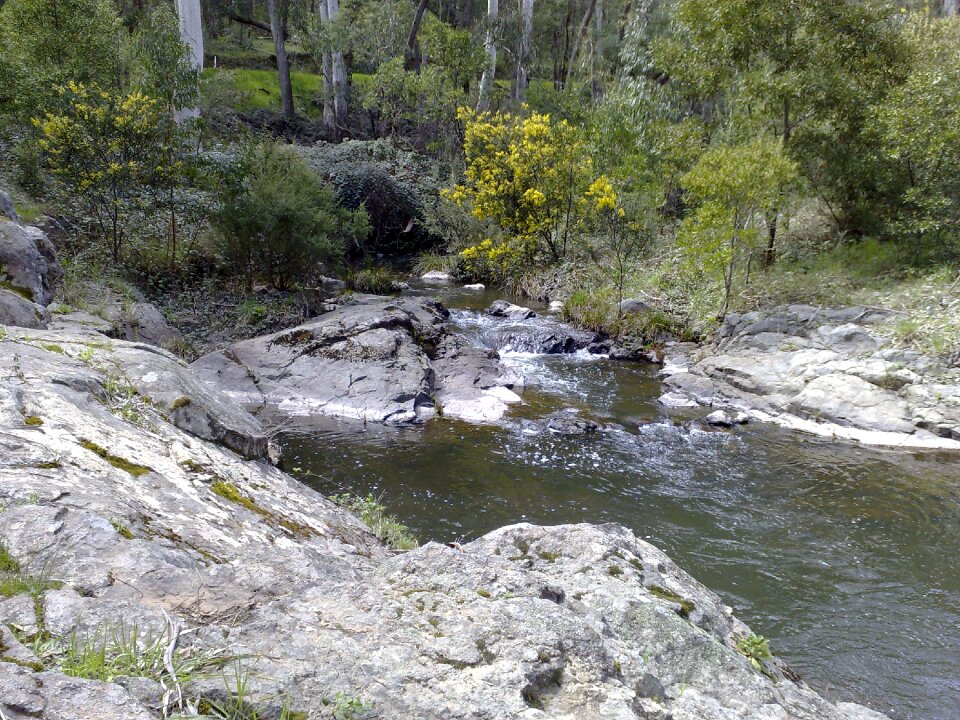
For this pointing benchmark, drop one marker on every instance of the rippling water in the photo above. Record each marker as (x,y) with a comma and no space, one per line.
(848,559)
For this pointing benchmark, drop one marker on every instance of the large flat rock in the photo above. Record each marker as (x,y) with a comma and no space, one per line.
(376,359)
(823,370)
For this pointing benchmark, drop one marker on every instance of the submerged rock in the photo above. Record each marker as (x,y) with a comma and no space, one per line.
(130,520)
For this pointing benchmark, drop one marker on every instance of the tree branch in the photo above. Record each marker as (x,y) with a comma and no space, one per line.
(249,21)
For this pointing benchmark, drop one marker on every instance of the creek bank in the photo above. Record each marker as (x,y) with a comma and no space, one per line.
(825,371)
(132,519)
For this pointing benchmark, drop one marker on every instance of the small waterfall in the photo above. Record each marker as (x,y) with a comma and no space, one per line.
(191,32)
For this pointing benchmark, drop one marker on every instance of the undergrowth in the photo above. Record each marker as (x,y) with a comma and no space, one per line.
(374,515)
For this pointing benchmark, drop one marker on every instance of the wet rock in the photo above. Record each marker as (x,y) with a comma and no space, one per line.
(572,426)
(827,371)
(399,286)
(724,419)
(556,306)
(504,309)
(475,287)
(437,277)
(544,337)
(375,359)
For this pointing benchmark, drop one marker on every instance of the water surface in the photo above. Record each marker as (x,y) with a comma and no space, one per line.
(847,558)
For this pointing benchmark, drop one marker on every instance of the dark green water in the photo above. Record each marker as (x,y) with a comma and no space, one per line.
(848,559)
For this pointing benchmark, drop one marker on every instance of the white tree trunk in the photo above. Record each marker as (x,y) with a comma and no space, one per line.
(338,74)
(490,47)
(951,7)
(191,33)
(326,90)
(521,81)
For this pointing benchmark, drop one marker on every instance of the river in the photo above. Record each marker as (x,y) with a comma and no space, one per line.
(846,558)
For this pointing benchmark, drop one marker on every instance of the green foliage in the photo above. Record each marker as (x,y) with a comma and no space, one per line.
(104,146)
(526,175)
(281,221)
(374,280)
(374,516)
(48,43)
(162,67)
(919,129)
(755,648)
(735,188)
(399,189)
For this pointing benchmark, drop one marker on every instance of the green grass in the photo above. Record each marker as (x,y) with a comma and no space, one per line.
(110,654)
(13,581)
(375,281)
(373,514)
(260,89)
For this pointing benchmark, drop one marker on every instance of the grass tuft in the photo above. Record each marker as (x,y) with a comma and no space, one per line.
(386,527)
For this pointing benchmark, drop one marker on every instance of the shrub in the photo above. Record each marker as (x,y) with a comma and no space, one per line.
(375,280)
(374,516)
(400,191)
(104,146)
(281,221)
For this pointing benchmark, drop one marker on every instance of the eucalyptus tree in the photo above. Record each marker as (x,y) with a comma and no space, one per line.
(490,48)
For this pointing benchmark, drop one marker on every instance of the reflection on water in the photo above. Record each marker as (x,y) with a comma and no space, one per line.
(847,558)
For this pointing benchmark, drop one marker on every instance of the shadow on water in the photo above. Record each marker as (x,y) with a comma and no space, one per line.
(847,558)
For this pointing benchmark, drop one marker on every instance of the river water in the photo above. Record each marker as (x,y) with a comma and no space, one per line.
(846,558)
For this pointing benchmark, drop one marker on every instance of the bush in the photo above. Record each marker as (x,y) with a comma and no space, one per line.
(400,191)
(376,281)
(281,221)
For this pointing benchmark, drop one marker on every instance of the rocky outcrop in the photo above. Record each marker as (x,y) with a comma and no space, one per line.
(28,271)
(119,520)
(384,360)
(827,371)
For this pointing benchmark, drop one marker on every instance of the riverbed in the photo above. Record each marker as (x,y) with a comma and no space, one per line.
(846,558)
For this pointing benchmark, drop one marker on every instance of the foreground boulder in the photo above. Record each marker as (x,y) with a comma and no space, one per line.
(118,521)
(827,371)
(28,271)
(377,359)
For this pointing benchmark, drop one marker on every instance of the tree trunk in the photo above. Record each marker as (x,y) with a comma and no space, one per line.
(951,7)
(521,80)
(490,47)
(413,54)
(191,34)
(339,75)
(326,61)
(278,29)
(574,51)
(596,86)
